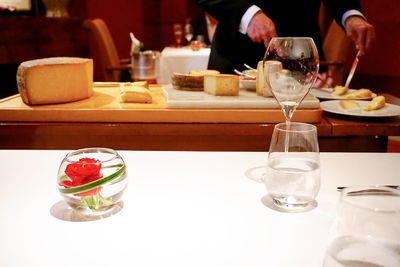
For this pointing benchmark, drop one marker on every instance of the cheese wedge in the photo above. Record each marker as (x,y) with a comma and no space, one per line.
(203,72)
(264,70)
(376,103)
(349,104)
(222,85)
(361,93)
(55,80)
(194,81)
(134,94)
(339,90)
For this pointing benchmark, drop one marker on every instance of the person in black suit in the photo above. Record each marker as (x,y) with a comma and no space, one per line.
(245,27)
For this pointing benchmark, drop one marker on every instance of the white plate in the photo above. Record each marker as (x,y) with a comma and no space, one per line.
(248,84)
(326,93)
(333,106)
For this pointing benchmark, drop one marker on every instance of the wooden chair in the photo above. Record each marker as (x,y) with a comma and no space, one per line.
(112,68)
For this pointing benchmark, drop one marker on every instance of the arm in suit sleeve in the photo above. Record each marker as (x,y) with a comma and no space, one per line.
(228,12)
(337,8)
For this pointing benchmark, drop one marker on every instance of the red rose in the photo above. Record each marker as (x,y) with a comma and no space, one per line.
(84,171)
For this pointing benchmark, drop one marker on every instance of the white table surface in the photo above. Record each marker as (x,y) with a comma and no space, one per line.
(181,60)
(180,209)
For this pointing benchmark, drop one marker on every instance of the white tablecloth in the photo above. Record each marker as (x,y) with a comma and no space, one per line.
(181,60)
(180,209)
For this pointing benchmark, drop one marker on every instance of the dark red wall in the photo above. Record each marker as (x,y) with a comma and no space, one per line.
(151,21)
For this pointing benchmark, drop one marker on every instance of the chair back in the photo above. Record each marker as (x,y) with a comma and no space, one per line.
(108,59)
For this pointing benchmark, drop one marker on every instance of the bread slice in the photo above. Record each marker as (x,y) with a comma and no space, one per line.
(134,94)
(339,90)
(349,104)
(359,94)
(376,103)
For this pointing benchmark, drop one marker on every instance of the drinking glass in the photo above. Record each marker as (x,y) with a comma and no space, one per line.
(291,82)
(188,32)
(178,33)
(367,229)
(292,175)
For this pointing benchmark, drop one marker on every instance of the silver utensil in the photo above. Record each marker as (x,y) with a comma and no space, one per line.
(340,188)
(243,74)
(250,68)
(352,70)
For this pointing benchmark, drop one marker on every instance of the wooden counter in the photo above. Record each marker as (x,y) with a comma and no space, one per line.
(154,127)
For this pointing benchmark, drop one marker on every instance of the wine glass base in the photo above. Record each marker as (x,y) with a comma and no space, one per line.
(276,205)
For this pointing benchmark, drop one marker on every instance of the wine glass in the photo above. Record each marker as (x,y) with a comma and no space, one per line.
(367,228)
(188,32)
(291,82)
(178,33)
(292,177)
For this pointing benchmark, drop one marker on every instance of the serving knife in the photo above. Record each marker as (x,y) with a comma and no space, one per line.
(352,70)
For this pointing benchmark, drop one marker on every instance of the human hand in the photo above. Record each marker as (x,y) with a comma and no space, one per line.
(261,28)
(323,80)
(361,32)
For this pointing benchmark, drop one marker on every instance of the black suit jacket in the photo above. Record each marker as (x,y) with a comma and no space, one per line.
(231,49)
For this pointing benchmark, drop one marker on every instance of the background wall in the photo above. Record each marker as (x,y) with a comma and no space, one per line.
(151,21)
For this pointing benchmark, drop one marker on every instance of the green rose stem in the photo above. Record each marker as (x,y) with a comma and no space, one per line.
(96,201)
(94,184)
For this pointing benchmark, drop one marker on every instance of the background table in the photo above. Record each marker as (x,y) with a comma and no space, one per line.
(180,209)
(181,60)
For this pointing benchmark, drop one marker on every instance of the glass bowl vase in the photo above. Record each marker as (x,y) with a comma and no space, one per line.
(92,180)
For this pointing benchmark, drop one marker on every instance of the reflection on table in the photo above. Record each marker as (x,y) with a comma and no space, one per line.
(181,60)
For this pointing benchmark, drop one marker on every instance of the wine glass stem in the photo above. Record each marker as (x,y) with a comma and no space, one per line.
(287,121)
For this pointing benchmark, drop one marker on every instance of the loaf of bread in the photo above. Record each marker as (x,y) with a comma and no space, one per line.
(221,84)
(55,80)
(194,81)
(131,93)
(359,94)
(376,103)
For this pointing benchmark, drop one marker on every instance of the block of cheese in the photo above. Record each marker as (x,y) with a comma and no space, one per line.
(194,81)
(134,94)
(264,69)
(221,84)
(55,80)
(376,103)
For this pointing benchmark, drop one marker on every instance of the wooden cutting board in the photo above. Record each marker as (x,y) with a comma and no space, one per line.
(105,106)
